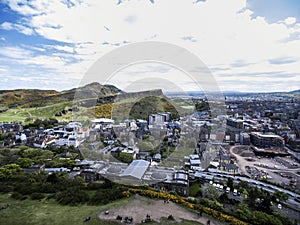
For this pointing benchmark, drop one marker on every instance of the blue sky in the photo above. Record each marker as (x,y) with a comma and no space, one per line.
(249,45)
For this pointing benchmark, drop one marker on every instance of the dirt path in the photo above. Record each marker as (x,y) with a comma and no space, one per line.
(241,161)
(140,206)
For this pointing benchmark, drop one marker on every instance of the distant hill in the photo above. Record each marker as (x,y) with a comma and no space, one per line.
(125,105)
(295,92)
(28,98)
(92,100)
(228,93)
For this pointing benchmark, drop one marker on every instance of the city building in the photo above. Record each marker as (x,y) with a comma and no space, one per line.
(264,140)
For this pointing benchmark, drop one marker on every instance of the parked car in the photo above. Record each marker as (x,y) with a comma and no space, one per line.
(279,206)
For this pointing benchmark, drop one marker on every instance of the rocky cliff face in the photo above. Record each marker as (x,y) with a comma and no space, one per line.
(141,94)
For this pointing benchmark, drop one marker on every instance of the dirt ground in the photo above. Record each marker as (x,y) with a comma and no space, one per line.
(273,166)
(140,206)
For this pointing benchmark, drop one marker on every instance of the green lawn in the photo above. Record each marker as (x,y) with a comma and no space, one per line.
(20,114)
(29,212)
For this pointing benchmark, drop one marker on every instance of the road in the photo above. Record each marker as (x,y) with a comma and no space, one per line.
(268,187)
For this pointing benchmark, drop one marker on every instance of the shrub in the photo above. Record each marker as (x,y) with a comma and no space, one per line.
(18,196)
(72,196)
(37,196)
(170,217)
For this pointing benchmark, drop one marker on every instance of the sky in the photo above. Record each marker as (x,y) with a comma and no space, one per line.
(247,45)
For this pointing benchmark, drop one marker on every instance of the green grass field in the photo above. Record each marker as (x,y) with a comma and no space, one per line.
(20,114)
(31,212)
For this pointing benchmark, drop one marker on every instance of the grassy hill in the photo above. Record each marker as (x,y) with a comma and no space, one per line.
(92,100)
(150,105)
(49,111)
(20,104)
(28,98)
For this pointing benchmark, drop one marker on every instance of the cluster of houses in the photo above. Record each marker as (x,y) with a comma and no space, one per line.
(143,169)
(270,126)
(67,135)
(276,117)
(246,124)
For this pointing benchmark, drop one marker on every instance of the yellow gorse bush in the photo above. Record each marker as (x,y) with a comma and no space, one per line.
(177,199)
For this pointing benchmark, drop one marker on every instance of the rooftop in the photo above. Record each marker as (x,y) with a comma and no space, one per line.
(136,169)
(266,135)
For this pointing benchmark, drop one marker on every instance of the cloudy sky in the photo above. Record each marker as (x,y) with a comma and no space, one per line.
(248,45)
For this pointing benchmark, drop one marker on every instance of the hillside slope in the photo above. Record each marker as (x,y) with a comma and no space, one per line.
(28,98)
(92,100)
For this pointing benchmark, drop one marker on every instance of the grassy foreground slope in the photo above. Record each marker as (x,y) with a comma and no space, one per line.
(48,212)
(29,212)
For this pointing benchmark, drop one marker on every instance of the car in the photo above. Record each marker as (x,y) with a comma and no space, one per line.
(235,192)
(279,206)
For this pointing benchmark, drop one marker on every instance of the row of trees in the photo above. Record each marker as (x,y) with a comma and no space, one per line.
(256,206)
(25,157)
(46,123)
(59,186)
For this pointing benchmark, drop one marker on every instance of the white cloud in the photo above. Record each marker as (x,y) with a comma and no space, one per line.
(22,6)
(6,26)
(18,27)
(15,52)
(221,33)
(64,48)
(290,20)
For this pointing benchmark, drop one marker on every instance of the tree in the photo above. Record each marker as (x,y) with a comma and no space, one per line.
(145,146)
(8,170)
(261,218)
(195,190)
(72,196)
(125,157)
(243,184)
(230,183)
(56,177)
(24,162)
(37,155)
(243,212)
(254,193)
(281,196)
(210,192)
(201,106)
(72,149)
